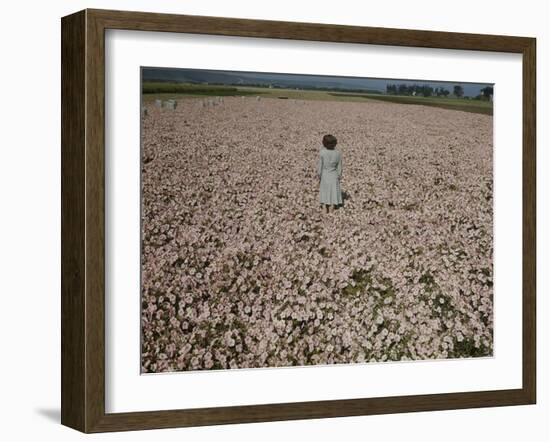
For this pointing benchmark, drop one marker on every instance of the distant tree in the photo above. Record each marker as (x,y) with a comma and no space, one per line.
(444,92)
(458,91)
(487,91)
(410,89)
(391,89)
(427,91)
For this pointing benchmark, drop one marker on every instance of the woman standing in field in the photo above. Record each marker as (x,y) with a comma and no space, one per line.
(329,171)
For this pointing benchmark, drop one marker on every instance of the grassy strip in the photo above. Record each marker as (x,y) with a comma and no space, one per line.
(191,89)
(473,106)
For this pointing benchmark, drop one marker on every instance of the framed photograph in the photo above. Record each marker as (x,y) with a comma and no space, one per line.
(267,220)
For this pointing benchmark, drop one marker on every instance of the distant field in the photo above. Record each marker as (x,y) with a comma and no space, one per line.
(161,90)
(189,89)
(153,90)
(474,106)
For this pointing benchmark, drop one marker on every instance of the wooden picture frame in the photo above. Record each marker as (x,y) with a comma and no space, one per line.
(83,220)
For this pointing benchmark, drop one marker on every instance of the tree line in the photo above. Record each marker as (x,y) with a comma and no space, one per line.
(429,91)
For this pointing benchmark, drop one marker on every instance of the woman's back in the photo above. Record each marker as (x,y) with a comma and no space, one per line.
(330,159)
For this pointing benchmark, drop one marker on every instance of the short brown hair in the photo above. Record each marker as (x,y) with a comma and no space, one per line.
(329,141)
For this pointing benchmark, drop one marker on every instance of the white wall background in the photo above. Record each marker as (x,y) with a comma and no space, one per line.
(30,217)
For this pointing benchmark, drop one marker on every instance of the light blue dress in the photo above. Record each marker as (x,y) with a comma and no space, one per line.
(329,171)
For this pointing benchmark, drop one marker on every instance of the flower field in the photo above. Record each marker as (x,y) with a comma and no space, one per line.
(242,269)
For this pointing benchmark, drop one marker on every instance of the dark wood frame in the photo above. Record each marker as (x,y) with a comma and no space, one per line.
(83,216)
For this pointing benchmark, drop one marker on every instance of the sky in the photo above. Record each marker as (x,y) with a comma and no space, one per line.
(296,80)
